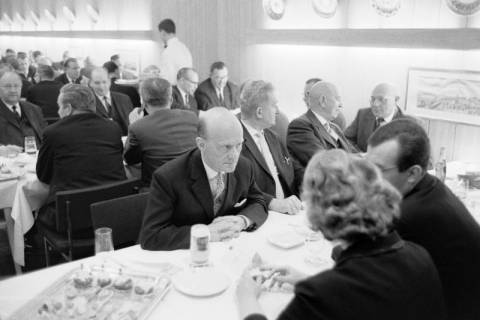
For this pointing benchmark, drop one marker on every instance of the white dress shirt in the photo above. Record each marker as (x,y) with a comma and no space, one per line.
(174,57)
(184,95)
(262,145)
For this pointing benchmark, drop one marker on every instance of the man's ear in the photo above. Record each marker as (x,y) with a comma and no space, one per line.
(200,143)
(259,112)
(415,174)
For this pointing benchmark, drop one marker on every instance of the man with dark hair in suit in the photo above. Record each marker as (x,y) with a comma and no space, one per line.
(80,150)
(27,69)
(183,92)
(275,173)
(211,185)
(18,119)
(383,109)
(217,90)
(109,104)
(71,72)
(45,93)
(175,54)
(113,72)
(431,215)
(162,136)
(314,130)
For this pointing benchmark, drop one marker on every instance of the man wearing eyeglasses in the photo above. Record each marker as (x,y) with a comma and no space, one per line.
(383,109)
(431,215)
(183,92)
(18,119)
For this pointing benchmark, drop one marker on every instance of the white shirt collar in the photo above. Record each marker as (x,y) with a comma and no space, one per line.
(103,99)
(171,40)
(251,130)
(322,120)
(210,172)
(390,117)
(10,107)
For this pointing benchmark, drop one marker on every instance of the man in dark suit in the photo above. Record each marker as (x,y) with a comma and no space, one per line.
(183,92)
(45,93)
(314,131)
(81,150)
(212,185)
(18,119)
(275,173)
(383,109)
(217,90)
(432,215)
(71,73)
(164,134)
(113,71)
(109,104)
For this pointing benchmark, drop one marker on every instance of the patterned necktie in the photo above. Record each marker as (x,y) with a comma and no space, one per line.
(15,111)
(220,98)
(108,107)
(217,192)
(331,132)
(186,99)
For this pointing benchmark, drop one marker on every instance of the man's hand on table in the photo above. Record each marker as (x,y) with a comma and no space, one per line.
(290,205)
(226,227)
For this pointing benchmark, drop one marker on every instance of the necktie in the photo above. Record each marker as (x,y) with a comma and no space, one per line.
(15,111)
(186,99)
(108,107)
(217,191)
(331,132)
(379,122)
(267,156)
(220,98)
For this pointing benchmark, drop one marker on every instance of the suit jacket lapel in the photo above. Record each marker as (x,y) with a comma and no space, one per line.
(252,147)
(7,114)
(200,185)
(32,119)
(100,108)
(321,129)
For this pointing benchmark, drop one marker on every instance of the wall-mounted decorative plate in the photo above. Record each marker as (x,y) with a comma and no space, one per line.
(325,8)
(274,8)
(386,8)
(464,7)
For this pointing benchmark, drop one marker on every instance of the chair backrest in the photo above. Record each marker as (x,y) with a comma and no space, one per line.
(123,215)
(73,206)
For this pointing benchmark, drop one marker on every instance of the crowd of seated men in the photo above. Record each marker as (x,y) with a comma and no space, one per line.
(224,155)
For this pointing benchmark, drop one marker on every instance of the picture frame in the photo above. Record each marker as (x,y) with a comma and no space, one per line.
(448,95)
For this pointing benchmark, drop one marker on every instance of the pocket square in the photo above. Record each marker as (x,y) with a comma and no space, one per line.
(240,203)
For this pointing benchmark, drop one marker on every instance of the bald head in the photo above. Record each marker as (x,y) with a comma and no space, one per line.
(325,100)
(220,139)
(384,100)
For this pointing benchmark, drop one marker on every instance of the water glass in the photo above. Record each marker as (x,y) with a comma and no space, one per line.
(315,246)
(199,244)
(30,145)
(103,240)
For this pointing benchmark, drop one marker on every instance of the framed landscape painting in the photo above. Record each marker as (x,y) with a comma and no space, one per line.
(450,95)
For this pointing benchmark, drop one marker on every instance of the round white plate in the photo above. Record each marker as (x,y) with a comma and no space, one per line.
(286,239)
(201,282)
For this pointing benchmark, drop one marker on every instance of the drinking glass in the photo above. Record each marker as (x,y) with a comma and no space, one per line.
(30,145)
(199,245)
(315,246)
(103,240)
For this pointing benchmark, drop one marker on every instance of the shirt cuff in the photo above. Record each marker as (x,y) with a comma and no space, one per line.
(246,220)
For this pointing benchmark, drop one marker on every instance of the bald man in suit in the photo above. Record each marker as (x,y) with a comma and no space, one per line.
(314,130)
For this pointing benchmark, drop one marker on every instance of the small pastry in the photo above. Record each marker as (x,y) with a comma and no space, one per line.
(123,283)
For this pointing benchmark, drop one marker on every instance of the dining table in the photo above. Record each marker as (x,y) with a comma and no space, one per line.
(279,241)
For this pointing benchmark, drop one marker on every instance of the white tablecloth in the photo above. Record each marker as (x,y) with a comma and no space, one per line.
(17,291)
(19,198)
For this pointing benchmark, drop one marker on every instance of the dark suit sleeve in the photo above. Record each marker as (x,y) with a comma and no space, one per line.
(158,232)
(203,101)
(45,160)
(255,208)
(301,141)
(306,304)
(351,132)
(133,150)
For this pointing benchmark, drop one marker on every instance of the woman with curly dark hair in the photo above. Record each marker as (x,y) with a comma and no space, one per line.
(376,275)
